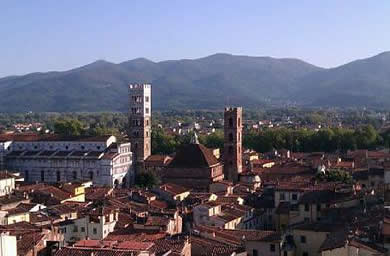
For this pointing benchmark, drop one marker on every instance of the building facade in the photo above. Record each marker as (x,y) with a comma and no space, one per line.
(51,159)
(140,123)
(232,143)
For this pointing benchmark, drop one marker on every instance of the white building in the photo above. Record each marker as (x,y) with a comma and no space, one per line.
(52,158)
(96,225)
(7,183)
(7,245)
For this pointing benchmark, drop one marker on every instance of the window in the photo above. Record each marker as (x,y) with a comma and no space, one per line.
(67,147)
(255,253)
(306,207)
(230,122)
(282,196)
(82,229)
(294,197)
(58,176)
(75,229)
(135,110)
(147,122)
(305,254)
(136,122)
(74,175)
(94,231)
(91,175)
(272,247)
(146,98)
(239,122)
(26,175)
(303,239)
(42,175)
(147,110)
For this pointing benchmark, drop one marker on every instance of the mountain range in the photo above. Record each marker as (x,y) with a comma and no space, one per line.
(205,83)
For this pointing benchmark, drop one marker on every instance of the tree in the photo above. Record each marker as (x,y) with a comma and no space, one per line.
(214,140)
(163,143)
(146,180)
(68,127)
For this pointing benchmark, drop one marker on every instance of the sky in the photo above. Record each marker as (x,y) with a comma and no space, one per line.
(60,35)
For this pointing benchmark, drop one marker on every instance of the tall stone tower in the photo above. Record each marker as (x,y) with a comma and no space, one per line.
(140,122)
(232,153)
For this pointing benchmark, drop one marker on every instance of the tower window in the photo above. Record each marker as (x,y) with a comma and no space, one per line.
(147,110)
(137,99)
(239,122)
(42,176)
(230,122)
(135,110)
(146,98)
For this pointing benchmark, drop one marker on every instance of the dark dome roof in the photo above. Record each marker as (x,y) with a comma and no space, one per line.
(193,156)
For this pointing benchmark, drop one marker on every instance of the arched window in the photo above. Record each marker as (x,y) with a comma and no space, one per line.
(239,122)
(90,175)
(26,175)
(58,176)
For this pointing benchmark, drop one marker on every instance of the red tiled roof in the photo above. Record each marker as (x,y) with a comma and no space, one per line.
(135,245)
(51,137)
(173,188)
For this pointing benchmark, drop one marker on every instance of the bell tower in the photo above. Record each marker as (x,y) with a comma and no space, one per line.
(232,153)
(140,122)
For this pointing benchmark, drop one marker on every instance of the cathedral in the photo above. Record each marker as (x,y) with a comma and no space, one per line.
(53,158)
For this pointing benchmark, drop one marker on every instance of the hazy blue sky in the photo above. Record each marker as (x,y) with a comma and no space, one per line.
(58,35)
